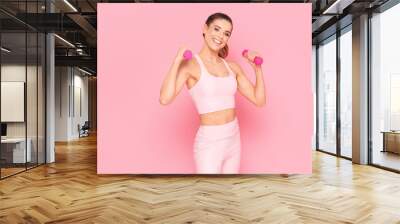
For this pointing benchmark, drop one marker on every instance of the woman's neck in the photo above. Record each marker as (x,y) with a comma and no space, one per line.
(209,55)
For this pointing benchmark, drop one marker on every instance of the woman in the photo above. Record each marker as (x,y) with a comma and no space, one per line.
(212,83)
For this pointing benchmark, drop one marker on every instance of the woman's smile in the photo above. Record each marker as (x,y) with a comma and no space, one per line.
(217,42)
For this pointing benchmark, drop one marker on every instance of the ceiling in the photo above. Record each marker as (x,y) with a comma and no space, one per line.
(76,22)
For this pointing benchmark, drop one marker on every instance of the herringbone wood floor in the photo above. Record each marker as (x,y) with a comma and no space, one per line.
(69,191)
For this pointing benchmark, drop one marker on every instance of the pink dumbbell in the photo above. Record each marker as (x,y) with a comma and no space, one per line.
(187,55)
(257,60)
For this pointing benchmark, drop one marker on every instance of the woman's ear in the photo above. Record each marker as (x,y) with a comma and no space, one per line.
(205,28)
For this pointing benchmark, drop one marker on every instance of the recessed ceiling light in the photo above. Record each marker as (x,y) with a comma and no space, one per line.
(70,5)
(64,40)
(337,7)
(5,49)
(84,71)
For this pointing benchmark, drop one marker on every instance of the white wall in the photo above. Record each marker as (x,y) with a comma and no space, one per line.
(62,81)
(12,101)
(70,84)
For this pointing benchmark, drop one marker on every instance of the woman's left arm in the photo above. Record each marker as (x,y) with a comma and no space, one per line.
(254,93)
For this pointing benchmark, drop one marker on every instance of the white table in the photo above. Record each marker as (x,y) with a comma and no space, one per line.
(19,155)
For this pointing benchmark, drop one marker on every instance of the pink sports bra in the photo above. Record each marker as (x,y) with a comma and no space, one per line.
(212,93)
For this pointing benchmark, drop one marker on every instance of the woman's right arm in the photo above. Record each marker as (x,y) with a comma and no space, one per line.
(175,79)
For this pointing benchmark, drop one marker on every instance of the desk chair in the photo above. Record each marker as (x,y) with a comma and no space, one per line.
(84,130)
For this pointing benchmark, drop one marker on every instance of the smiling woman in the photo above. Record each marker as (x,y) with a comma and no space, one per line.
(212,82)
(216,23)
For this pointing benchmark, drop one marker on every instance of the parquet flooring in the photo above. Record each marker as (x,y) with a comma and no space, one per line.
(70,191)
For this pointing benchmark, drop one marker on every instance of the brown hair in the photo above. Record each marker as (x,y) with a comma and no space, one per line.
(223,53)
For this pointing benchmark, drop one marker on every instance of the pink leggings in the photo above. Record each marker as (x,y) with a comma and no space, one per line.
(217,148)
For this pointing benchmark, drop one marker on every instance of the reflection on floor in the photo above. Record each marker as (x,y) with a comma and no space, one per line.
(12,169)
(9,171)
(347,152)
(386,159)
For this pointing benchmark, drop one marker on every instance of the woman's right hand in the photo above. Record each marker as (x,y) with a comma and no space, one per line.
(179,56)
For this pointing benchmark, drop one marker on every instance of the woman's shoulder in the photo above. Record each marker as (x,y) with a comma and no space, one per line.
(191,66)
(233,65)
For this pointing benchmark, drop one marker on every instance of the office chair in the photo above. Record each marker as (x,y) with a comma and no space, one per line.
(84,130)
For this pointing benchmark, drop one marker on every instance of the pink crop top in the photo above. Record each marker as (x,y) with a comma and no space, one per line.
(213,93)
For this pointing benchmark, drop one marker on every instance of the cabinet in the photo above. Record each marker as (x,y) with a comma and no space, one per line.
(391,142)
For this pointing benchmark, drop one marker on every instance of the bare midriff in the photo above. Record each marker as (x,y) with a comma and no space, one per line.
(218,117)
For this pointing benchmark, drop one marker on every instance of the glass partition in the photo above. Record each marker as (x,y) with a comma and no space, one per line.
(327,95)
(346,92)
(385,89)
(22,77)
(14,153)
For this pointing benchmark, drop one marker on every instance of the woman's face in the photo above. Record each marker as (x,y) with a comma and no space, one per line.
(217,34)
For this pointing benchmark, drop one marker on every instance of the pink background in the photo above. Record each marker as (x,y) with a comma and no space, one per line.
(136,46)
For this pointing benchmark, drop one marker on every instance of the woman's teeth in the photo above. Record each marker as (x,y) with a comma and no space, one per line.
(217,41)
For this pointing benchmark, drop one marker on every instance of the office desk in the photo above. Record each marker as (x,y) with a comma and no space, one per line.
(13,150)
(391,141)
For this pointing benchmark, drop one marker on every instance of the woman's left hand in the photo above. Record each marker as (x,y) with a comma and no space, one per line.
(250,58)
